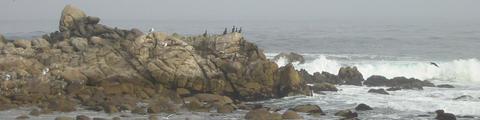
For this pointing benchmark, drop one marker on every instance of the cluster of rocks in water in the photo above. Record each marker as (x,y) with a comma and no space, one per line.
(90,65)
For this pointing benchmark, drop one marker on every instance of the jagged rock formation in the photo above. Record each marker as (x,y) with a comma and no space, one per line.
(351,76)
(398,82)
(112,69)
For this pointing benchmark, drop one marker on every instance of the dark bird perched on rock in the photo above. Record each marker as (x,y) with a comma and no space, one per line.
(434,64)
(240,31)
(225,31)
(205,34)
(441,115)
(233,29)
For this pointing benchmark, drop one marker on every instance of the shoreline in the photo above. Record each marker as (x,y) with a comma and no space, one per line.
(111,70)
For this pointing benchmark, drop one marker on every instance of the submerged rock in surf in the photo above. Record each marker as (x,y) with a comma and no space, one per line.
(441,115)
(464,98)
(378,91)
(363,107)
(347,114)
(445,86)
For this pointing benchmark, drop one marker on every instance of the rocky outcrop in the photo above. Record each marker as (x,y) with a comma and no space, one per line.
(398,82)
(290,82)
(318,77)
(351,76)
(410,83)
(110,69)
(290,57)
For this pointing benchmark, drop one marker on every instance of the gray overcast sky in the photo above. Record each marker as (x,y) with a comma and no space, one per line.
(244,9)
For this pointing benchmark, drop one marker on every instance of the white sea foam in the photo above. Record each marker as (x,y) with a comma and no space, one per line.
(457,70)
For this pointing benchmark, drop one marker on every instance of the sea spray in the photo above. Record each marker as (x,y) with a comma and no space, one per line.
(463,70)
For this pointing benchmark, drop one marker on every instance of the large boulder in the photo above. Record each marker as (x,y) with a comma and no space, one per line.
(80,44)
(70,16)
(376,80)
(351,76)
(289,81)
(290,57)
(291,115)
(40,43)
(23,43)
(313,109)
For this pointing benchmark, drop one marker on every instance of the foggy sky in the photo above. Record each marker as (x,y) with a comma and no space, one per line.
(245,9)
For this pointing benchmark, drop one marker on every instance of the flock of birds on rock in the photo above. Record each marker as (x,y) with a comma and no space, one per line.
(234,30)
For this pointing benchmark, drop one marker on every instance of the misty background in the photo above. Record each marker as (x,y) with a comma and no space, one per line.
(47,12)
(431,29)
(245,9)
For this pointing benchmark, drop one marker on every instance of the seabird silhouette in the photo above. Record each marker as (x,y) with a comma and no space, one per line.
(151,30)
(434,64)
(225,31)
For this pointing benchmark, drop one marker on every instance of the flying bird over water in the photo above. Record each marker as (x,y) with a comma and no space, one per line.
(434,64)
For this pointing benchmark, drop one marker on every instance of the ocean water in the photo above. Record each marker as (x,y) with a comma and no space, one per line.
(389,48)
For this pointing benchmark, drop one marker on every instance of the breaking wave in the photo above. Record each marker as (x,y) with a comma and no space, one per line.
(467,70)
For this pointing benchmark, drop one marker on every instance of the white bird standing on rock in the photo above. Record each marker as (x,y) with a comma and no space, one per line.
(151,30)
(8,77)
(45,71)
